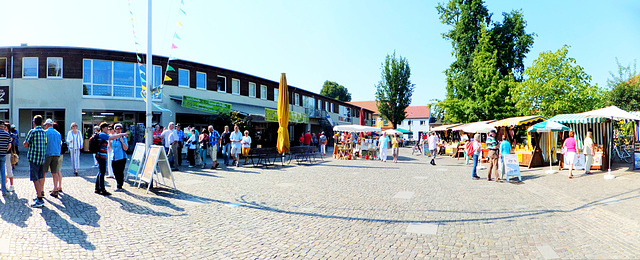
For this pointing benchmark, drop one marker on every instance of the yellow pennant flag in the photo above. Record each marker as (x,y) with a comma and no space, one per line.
(166,78)
(179,24)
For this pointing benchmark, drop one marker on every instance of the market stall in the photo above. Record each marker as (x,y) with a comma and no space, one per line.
(580,124)
(355,140)
(448,137)
(528,149)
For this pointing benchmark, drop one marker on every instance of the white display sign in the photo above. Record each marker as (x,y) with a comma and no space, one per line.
(511,166)
(578,162)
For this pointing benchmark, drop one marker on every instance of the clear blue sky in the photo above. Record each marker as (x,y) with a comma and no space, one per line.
(314,41)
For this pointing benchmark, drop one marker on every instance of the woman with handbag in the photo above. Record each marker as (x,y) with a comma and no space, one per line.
(192,144)
(75,143)
(204,145)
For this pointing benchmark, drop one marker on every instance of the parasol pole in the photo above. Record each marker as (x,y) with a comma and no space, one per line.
(551,171)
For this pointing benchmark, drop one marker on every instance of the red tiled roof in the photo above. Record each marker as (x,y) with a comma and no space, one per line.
(417,112)
(371,105)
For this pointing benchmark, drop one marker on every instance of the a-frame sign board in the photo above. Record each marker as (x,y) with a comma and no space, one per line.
(136,163)
(156,168)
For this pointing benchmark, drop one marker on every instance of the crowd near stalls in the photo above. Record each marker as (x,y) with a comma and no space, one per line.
(355,141)
(540,147)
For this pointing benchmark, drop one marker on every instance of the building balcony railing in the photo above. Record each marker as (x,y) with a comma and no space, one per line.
(315,113)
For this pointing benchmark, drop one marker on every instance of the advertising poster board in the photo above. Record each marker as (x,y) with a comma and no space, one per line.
(636,160)
(135,164)
(512,166)
(165,169)
(150,163)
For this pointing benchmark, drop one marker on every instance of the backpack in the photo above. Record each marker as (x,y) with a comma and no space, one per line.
(94,144)
(64,148)
(468,148)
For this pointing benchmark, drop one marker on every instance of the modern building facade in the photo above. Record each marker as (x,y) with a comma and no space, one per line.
(88,86)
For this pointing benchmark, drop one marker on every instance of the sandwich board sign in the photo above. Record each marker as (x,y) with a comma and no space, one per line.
(156,167)
(579,161)
(135,164)
(511,166)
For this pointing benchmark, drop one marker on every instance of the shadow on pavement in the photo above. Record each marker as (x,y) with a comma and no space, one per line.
(20,212)
(81,212)
(64,230)
(153,201)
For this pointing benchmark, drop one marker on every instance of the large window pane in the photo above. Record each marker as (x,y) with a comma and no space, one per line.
(183,78)
(263,92)
(86,89)
(102,72)
(101,90)
(54,67)
(120,91)
(123,73)
(30,67)
(201,80)
(86,71)
(252,89)
(222,84)
(235,86)
(276,94)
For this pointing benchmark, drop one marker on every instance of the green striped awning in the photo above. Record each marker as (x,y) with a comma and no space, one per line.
(575,118)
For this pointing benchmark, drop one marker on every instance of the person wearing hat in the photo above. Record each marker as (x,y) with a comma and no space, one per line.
(52,155)
(492,145)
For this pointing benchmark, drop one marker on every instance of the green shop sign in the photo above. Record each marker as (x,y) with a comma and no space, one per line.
(204,105)
(294,117)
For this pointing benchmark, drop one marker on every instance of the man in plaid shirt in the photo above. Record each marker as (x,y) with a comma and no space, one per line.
(36,141)
(214,141)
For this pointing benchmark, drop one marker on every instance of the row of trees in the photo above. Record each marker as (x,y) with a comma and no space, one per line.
(488,79)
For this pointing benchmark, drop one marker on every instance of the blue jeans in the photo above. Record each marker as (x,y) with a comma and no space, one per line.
(475,165)
(3,173)
(170,156)
(226,149)
(102,165)
(203,155)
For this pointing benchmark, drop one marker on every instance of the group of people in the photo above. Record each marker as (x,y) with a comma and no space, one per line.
(319,140)
(198,144)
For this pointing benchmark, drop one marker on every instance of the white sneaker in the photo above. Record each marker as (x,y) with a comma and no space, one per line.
(11,188)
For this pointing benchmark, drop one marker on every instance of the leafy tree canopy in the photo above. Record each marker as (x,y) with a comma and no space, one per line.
(334,90)
(625,88)
(555,84)
(394,91)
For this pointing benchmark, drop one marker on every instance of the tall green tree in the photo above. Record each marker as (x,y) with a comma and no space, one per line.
(555,84)
(506,46)
(435,110)
(394,91)
(334,90)
(624,88)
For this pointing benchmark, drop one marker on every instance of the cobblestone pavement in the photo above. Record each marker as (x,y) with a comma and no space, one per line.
(330,210)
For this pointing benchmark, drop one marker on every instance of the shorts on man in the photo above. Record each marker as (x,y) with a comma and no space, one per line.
(36,171)
(235,150)
(52,164)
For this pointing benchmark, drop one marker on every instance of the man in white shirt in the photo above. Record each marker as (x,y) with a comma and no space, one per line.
(588,151)
(235,138)
(433,147)
(171,143)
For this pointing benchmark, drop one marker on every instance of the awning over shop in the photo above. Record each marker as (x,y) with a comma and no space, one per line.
(444,127)
(576,119)
(517,121)
(460,127)
(403,131)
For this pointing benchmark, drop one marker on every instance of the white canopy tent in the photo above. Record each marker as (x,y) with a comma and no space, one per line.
(355,128)
(479,127)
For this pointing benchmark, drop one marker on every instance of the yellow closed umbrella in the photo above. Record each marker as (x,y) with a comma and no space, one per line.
(283,116)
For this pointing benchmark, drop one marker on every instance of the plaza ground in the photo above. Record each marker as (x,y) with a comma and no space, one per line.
(332,209)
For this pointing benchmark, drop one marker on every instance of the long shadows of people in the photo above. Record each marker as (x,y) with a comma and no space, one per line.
(152,200)
(64,230)
(20,212)
(81,212)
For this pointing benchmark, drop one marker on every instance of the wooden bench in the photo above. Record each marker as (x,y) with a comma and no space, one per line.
(265,156)
(304,153)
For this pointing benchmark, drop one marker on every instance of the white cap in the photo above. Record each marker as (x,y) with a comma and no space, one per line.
(48,122)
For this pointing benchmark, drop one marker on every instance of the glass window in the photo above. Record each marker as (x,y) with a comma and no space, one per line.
(308,102)
(86,71)
(201,80)
(102,72)
(222,84)
(263,92)
(252,89)
(30,67)
(276,94)
(54,67)
(123,73)
(331,108)
(319,104)
(3,67)
(326,106)
(183,78)
(296,99)
(235,86)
